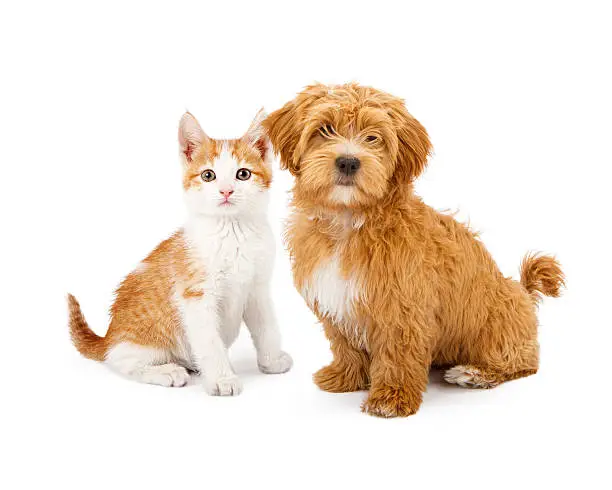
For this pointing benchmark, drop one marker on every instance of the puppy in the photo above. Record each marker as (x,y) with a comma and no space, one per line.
(397,286)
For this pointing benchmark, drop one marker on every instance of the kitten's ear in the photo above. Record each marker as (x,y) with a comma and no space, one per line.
(257,137)
(190,136)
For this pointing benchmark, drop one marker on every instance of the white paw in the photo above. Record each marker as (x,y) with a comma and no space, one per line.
(225,386)
(166,375)
(276,365)
(458,375)
(468,377)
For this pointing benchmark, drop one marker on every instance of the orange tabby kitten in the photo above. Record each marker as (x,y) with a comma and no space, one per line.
(182,307)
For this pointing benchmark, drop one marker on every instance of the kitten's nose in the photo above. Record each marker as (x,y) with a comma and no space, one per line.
(348,165)
(227,194)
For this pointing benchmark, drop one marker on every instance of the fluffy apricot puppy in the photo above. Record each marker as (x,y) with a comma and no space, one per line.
(397,286)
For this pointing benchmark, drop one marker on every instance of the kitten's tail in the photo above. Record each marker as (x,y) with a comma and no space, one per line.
(541,275)
(84,339)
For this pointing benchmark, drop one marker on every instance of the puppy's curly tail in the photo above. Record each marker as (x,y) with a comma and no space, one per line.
(541,275)
(84,339)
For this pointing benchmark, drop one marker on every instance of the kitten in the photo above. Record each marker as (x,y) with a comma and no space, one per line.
(182,307)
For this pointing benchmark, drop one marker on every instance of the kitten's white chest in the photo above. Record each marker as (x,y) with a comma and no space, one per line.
(235,258)
(229,254)
(334,294)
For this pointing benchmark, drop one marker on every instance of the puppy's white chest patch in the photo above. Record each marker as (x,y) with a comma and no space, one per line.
(334,294)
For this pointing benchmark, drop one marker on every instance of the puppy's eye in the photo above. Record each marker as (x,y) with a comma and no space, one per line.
(327,130)
(208,176)
(243,174)
(371,138)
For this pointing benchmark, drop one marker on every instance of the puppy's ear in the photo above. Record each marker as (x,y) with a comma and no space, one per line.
(414,146)
(283,127)
(191,137)
(256,136)
(286,125)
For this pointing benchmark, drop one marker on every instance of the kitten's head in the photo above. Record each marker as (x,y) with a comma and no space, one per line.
(225,177)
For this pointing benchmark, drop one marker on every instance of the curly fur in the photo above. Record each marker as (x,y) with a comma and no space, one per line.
(541,275)
(419,288)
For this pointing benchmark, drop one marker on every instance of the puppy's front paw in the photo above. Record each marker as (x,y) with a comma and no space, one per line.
(338,379)
(391,402)
(276,365)
(224,386)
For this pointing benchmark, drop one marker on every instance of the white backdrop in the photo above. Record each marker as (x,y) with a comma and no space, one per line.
(517,101)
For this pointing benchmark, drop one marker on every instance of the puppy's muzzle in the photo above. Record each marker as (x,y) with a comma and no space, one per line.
(347,166)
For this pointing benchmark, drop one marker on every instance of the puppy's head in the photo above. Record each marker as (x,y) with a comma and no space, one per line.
(348,146)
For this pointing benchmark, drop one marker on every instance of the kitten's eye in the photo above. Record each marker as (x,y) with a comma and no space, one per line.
(243,174)
(371,138)
(327,131)
(208,176)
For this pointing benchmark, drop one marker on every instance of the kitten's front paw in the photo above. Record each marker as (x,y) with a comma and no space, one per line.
(276,365)
(225,386)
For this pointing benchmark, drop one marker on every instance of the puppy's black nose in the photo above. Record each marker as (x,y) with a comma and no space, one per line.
(348,165)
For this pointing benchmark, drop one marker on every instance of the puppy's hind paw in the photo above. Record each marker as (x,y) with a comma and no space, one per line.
(470,377)
(275,365)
